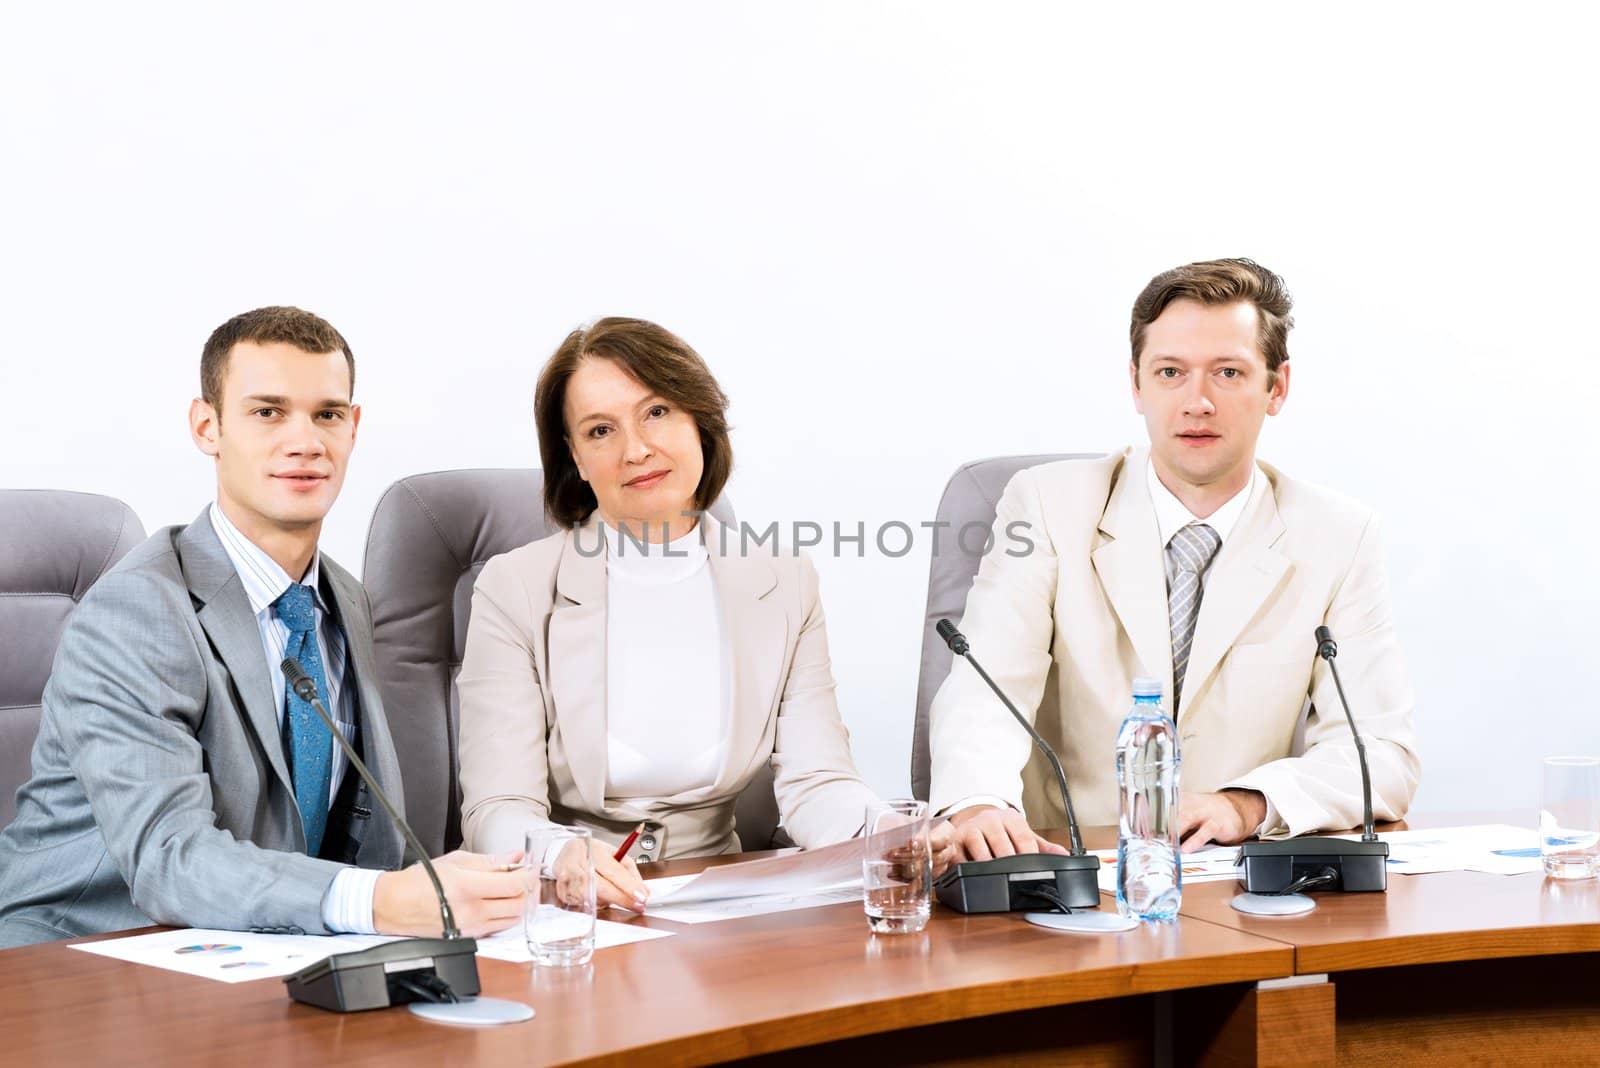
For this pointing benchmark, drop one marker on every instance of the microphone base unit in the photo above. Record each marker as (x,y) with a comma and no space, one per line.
(411,969)
(1023,883)
(1271,867)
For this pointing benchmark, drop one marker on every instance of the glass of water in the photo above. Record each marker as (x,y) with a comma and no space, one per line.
(1569,820)
(897,866)
(558,913)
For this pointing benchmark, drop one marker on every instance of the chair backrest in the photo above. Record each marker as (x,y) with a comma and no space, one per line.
(970,497)
(56,545)
(430,536)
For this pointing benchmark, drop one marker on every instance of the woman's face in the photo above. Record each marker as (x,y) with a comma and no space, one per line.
(639,452)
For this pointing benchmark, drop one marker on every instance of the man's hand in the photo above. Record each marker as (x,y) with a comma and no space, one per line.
(985,832)
(485,894)
(1222,819)
(616,882)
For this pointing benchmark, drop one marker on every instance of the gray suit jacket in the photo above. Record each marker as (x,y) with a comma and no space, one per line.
(160,791)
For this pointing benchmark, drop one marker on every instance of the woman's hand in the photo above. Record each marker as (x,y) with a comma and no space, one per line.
(615,882)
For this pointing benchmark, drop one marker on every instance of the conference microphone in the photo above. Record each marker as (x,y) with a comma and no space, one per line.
(1303,864)
(411,969)
(1076,876)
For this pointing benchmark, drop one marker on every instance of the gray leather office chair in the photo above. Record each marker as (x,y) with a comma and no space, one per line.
(54,545)
(430,537)
(971,496)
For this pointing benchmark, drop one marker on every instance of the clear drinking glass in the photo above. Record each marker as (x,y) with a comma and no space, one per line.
(1569,820)
(897,866)
(558,913)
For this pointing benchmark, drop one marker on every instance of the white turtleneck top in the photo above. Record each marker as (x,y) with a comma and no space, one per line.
(667,668)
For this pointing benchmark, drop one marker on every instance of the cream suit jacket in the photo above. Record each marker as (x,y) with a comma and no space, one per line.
(533,702)
(1065,628)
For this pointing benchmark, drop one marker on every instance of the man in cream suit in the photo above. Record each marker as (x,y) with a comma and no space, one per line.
(175,778)
(1192,563)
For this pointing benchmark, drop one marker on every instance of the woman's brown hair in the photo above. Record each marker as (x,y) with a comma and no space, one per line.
(661,361)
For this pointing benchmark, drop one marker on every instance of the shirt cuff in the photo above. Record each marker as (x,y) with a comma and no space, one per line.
(1272,820)
(974,801)
(347,906)
(1269,822)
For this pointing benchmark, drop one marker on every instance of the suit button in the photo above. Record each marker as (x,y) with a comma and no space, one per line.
(644,858)
(647,842)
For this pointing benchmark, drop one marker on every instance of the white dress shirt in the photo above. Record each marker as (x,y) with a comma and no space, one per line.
(1172,515)
(348,903)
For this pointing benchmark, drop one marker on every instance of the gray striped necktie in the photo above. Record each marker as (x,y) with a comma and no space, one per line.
(1189,553)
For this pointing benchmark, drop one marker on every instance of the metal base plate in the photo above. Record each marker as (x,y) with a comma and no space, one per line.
(473,1012)
(1082,922)
(1273,904)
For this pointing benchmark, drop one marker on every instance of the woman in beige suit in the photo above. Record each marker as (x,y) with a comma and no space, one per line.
(641,666)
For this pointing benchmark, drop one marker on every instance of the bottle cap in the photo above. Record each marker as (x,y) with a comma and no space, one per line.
(1143,687)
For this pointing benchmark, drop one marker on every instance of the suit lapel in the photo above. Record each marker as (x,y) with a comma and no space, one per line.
(755,625)
(577,666)
(1130,568)
(1246,571)
(377,744)
(756,629)
(231,627)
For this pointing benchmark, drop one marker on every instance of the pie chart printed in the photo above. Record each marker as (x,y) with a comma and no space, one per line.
(207,947)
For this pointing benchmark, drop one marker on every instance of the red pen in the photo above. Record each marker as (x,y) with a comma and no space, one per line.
(627,843)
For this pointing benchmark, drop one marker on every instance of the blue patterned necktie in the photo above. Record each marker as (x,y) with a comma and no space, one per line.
(309,742)
(1189,553)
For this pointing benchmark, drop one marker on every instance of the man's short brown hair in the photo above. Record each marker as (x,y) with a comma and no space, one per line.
(1214,282)
(664,364)
(306,332)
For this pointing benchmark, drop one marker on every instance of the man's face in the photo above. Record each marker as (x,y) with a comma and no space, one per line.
(281,438)
(1202,388)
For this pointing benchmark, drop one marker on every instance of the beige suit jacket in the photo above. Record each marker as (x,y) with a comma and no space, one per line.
(533,702)
(1065,628)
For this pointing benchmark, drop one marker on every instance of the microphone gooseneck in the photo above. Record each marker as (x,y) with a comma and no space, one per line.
(305,688)
(958,645)
(1327,648)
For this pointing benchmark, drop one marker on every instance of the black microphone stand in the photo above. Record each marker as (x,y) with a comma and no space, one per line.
(1076,876)
(1302,864)
(442,970)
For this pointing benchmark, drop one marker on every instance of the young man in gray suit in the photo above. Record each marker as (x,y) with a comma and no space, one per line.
(176,779)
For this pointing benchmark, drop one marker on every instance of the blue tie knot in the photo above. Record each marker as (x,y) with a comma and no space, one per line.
(296,606)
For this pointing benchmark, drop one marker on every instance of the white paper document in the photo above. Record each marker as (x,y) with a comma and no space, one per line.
(1198,867)
(795,880)
(229,956)
(1496,848)
(512,945)
(735,908)
(237,957)
(787,875)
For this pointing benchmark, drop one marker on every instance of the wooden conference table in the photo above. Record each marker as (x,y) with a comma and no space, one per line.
(1443,969)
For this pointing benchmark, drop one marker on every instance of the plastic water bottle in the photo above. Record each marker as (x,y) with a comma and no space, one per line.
(1149,874)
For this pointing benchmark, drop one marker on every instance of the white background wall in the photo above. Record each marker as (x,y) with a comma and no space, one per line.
(903,235)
